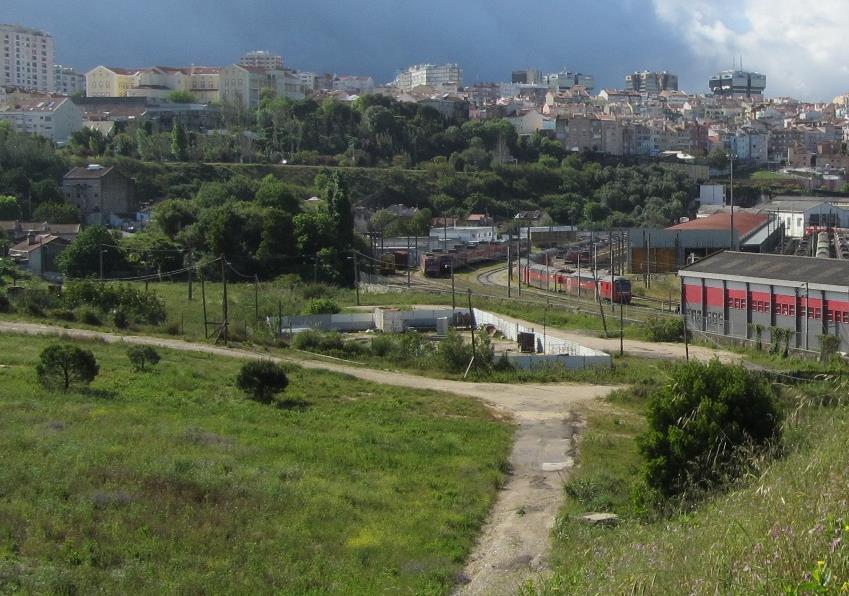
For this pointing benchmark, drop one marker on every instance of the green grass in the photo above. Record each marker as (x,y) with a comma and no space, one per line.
(768,175)
(773,532)
(172,482)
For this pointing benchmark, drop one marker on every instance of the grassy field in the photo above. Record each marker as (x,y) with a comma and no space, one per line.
(172,482)
(783,530)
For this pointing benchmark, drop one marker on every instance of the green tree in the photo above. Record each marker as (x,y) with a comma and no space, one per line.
(181,97)
(63,365)
(274,193)
(82,257)
(262,380)
(718,158)
(172,215)
(179,142)
(341,213)
(698,422)
(9,208)
(57,213)
(141,356)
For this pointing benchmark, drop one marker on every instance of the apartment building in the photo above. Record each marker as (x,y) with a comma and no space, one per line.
(54,117)
(737,83)
(243,85)
(562,81)
(67,81)
(438,76)
(109,81)
(26,60)
(651,83)
(262,59)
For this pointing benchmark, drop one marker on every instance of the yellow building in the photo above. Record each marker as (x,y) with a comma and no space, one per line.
(106,81)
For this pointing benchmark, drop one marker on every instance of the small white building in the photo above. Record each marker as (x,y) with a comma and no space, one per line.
(711,194)
(54,117)
(463,234)
(798,214)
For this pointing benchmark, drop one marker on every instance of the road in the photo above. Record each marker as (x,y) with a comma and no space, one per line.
(514,544)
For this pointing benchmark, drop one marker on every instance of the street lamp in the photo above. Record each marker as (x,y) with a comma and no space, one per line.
(732,157)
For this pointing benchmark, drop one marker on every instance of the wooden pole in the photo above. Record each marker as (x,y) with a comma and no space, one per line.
(472,324)
(357,277)
(203,299)
(190,272)
(256,297)
(224,304)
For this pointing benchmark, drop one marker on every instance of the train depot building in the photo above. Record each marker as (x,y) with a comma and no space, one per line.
(730,293)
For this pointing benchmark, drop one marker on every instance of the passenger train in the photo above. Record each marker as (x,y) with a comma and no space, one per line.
(612,288)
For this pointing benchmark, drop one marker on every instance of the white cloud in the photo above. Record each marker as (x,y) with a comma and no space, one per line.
(801,47)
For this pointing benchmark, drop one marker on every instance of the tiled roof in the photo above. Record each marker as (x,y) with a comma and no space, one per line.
(745,223)
(85,172)
(26,102)
(41,240)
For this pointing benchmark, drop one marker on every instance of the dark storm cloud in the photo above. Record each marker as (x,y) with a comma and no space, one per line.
(487,37)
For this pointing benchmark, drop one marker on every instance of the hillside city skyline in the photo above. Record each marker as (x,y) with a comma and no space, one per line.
(660,36)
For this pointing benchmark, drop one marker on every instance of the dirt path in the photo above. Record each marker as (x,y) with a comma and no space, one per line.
(514,544)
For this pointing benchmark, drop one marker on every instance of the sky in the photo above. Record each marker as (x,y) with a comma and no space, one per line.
(800,47)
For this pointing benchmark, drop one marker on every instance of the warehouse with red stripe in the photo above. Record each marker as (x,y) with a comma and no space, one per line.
(730,293)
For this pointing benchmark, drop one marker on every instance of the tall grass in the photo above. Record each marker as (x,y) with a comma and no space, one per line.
(171,481)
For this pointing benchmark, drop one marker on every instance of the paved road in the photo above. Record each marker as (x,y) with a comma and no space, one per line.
(514,544)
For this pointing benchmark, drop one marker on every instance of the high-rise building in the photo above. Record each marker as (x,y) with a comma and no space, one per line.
(26,60)
(441,76)
(561,81)
(651,83)
(737,82)
(530,76)
(67,81)
(262,59)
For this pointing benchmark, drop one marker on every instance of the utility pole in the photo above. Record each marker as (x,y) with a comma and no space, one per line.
(100,259)
(509,267)
(226,316)
(256,297)
(190,272)
(409,255)
(357,278)
(203,298)
(621,326)
(453,298)
(732,156)
(472,324)
(544,326)
(684,320)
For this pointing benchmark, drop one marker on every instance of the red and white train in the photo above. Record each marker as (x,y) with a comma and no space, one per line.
(612,288)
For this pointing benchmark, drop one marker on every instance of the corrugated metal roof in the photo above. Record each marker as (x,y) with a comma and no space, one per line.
(765,268)
(744,222)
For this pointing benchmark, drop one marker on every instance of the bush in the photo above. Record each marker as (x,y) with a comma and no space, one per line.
(262,380)
(142,305)
(315,341)
(172,328)
(322,306)
(120,318)
(664,329)
(700,421)
(829,346)
(141,356)
(5,305)
(63,365)
(64,314)
(89,316)
(453,354)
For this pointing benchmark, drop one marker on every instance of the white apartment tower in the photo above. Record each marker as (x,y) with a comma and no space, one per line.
(440,76)
(26,60)
(262,59)
(67,81)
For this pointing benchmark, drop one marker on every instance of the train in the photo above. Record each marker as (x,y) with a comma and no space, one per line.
(440,264)
(612,288)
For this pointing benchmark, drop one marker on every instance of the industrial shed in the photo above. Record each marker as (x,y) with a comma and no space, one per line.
(729,293)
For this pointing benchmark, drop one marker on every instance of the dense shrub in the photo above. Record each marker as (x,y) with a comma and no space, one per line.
(142,305)
(262,380)
(322,306)
(453,354)
(142,356)
(120,318)
(664,329)
(63,365)
(89,316)
(64,314)
(316,341)
(699,423)
(5,305)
